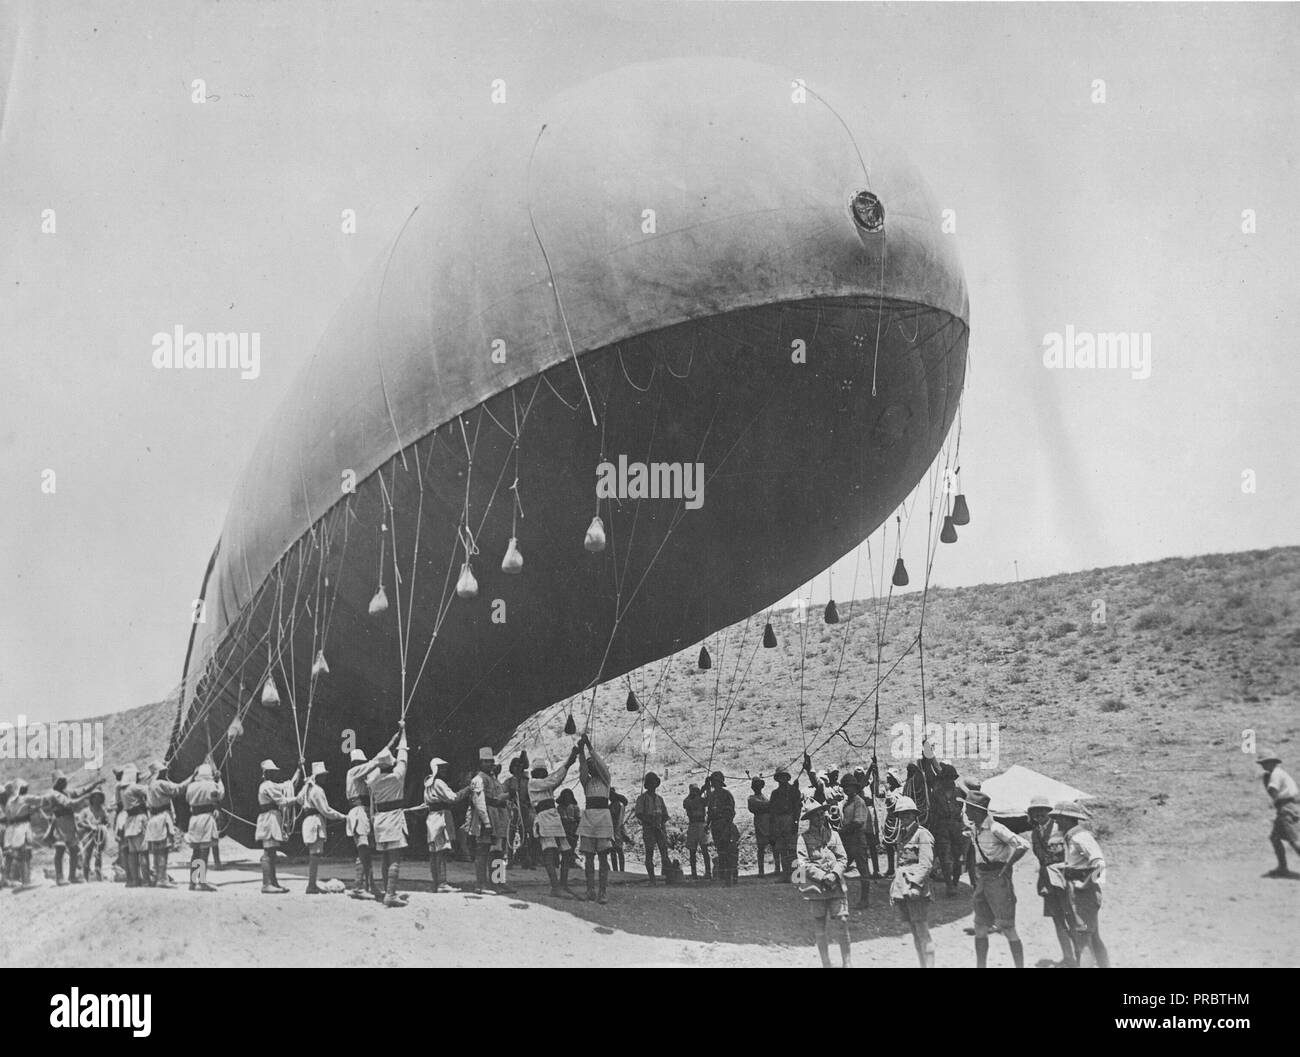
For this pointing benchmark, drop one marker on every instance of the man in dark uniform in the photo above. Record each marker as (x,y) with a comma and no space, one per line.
(944,819)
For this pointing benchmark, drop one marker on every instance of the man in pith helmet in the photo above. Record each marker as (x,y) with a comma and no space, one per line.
(910,891)
(388,794)
(204,798)
(996,850)
(1048,840)
(272,798)
(316,815)
(722,827)
(785,807)
(440,825)
(360,825)
(820,863)
(160,827)
(1085,872)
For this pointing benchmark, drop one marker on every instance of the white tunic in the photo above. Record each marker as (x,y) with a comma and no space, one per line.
(440,825)
(203,792)
(390,787)
(270,824)
(547,823)
(313,826)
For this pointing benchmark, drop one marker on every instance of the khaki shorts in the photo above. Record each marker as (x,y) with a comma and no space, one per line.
(836,907)
(914,911)
(594,845)
(995,899)
(1286,826)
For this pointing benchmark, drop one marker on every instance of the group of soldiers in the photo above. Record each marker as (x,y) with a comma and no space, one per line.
(80,826)
(958,834)
(146,830)
(951,832)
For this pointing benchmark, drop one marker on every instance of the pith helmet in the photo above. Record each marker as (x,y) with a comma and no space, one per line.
(811,807)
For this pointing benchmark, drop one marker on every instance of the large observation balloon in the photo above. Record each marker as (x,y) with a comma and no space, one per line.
(751,281)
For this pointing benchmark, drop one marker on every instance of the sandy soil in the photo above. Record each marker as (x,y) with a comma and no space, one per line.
(1167,914)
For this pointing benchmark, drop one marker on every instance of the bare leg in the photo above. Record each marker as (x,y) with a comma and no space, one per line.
(924,945)
(846,946)
(604,876)
(823,944)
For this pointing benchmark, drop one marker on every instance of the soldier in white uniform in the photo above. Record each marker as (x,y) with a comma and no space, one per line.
(548,828)
(359,826)
(203,797)
(596,829)
(315,815)
(388,794)
(160,827)
(272,798)
(440,825)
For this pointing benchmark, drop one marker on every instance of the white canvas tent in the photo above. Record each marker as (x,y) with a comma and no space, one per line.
(1009,793)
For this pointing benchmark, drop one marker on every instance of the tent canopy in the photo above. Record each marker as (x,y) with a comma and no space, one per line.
(1010,792)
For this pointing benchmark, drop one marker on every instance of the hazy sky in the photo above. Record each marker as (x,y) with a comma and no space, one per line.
(1117,216)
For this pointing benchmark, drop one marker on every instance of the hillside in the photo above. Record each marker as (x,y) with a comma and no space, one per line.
(134,736)
(1146,710)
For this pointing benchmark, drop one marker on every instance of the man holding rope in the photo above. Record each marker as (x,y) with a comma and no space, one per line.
(272,798)
(388,792)
(359,826)
(203,796)
(548,827)
(596,830)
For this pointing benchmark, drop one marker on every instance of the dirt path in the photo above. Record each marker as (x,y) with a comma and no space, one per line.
(1222,913)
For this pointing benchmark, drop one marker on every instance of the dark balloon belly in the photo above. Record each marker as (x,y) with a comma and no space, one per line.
(800,463)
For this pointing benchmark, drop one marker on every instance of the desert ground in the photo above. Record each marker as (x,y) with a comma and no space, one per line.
(1181,911)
